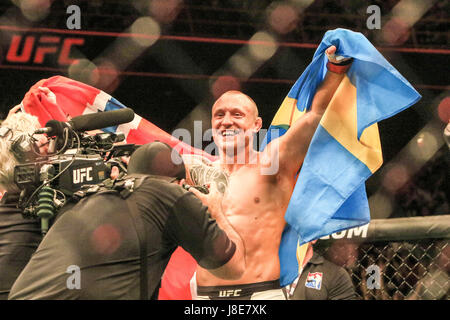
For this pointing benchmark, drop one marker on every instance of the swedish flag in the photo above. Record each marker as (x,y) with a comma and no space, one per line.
(330,194)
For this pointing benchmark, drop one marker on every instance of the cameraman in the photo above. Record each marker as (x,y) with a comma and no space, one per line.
(19,237)
(93,251)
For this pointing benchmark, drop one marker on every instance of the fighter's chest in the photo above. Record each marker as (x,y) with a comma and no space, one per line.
(249,189)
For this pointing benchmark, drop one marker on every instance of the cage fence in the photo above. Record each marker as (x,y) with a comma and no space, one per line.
(383,266)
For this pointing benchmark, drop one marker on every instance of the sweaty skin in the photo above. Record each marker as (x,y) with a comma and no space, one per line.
(254,200)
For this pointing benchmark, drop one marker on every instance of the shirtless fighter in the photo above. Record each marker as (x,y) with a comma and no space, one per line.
(255,198)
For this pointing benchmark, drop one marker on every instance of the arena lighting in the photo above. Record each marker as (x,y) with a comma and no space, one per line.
(410,11)
(111,70)
(145,31)
(283,18)
(241,65)
(381,206)
(107,74)
(406,163)
(165,11)
(425,145)
(148,28)
(422,146)
(35,10)
(223,84)
(261,47)
(83,70)
(402,17)
(395,177)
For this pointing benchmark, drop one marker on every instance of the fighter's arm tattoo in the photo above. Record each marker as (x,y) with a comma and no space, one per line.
(202,174)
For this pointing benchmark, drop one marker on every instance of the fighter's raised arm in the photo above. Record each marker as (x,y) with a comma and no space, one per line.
(294,144)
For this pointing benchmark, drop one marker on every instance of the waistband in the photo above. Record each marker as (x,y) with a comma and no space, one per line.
(237,290)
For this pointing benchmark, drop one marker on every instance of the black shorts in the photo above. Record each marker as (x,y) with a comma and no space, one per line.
(267,290)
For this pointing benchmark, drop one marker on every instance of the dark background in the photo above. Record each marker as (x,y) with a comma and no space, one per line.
(170,78)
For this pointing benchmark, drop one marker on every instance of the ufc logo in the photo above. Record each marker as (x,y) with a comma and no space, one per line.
(81,175)
(42,47)
(230,293)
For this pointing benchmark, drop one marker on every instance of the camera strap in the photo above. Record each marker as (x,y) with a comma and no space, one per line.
(142,238)
(125,188)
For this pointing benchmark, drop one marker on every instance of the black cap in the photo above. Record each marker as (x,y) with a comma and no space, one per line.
(157,158)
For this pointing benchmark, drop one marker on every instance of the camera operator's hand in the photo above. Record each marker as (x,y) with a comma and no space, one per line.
(115,172)
(42,144)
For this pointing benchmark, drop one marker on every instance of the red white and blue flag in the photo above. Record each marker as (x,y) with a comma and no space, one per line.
(67,98)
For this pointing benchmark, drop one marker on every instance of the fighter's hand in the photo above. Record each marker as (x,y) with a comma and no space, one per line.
(203,197)
(213,200)
(332,57)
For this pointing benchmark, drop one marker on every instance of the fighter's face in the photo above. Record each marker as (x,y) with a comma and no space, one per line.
(234,120)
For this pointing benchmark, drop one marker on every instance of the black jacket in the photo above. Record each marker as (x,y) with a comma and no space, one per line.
(95,243)
(19,238)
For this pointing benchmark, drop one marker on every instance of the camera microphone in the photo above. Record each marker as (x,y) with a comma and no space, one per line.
(88,122)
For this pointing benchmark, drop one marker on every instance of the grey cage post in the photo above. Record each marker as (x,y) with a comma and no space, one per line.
(410,254)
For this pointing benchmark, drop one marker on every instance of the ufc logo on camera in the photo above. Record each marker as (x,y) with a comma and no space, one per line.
(82,175)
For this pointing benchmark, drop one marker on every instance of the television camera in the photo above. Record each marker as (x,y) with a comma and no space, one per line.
(75,159)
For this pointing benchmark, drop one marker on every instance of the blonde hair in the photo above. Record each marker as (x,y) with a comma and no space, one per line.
(18,123)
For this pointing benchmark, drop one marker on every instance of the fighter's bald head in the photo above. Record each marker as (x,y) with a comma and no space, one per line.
(246,100)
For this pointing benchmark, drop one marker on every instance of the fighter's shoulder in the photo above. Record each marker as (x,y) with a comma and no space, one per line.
(198,166)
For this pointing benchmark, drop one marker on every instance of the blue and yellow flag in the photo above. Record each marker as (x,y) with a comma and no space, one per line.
(330,194)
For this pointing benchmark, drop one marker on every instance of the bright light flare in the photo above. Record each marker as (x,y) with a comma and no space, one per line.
(146,31)
(35,10)
(283,18)
(262,46)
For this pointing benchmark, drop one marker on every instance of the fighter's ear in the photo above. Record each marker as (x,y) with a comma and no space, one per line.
(258,124)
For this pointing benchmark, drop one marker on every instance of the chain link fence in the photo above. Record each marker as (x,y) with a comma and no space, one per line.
(409,269)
